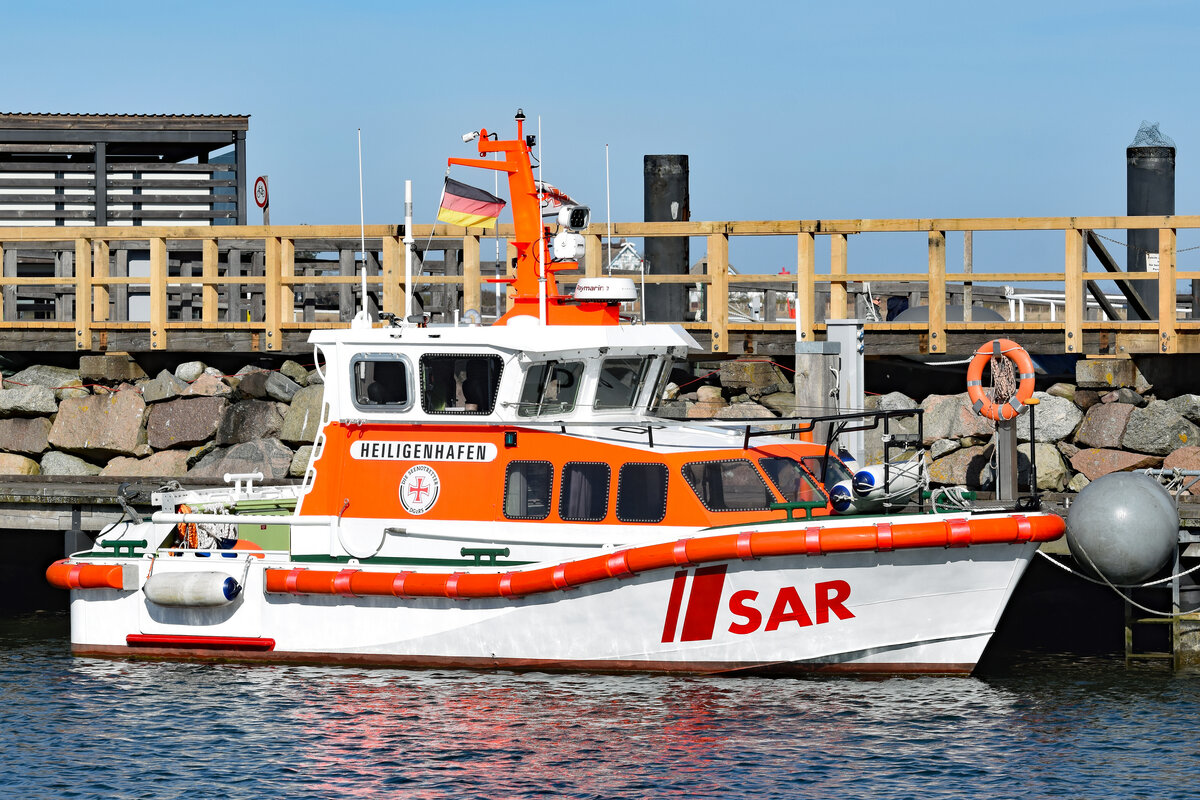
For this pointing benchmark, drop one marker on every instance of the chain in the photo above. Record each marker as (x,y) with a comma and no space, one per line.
(1123,244)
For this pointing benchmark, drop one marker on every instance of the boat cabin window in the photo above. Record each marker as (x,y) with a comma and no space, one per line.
(733,485)
(621,381)
(836,473)
(550,388)
(381,381)
(459,384)
(790,479)
(642,493)
(584,493)
(527,487)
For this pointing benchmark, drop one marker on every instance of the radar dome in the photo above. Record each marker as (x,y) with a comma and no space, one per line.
(1124,525)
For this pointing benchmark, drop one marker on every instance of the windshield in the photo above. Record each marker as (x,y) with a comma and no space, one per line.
(837,471)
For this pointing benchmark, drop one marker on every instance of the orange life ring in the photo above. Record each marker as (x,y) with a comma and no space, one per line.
(983,404)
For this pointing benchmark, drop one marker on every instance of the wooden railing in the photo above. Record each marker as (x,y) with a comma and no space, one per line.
(88,280)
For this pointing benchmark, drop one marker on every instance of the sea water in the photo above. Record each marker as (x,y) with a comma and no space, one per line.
(1031,725)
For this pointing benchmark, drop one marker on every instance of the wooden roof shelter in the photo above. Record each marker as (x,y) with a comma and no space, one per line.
(122,169)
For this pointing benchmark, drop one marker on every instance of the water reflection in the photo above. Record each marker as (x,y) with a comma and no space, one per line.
(137,729)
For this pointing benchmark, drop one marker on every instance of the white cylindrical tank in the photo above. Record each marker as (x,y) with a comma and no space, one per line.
(904,478)
(191,589)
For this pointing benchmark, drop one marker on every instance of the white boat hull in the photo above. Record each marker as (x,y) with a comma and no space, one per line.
(926,610)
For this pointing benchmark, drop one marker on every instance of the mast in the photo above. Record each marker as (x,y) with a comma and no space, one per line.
(531,237)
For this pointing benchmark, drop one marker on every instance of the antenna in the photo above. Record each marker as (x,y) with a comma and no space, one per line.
(608,206)
(542,234)
(362,218)
(408,247)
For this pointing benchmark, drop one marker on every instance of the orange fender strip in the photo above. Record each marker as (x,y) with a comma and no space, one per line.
(880,536)
(67,575)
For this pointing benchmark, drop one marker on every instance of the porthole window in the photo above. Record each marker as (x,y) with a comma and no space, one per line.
(381,381)
(642,493)
(733,485)
(459,384)
(583,496)
(527,488)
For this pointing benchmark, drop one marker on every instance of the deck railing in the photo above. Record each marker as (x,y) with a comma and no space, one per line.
(87,296)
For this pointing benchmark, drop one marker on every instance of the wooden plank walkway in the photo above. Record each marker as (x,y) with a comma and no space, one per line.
(255,289)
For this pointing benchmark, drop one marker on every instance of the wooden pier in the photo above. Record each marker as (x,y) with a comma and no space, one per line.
(254,289)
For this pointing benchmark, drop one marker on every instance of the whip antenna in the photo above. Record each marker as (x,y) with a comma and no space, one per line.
(362,219)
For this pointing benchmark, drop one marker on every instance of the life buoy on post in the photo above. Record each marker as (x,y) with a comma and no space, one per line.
(985,405)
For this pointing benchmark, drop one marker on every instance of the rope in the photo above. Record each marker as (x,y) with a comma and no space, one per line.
(1117,587)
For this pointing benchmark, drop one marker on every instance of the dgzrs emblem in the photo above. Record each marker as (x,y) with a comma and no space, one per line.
(419,489)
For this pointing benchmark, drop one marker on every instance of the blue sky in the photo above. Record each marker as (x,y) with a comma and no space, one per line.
(786,110)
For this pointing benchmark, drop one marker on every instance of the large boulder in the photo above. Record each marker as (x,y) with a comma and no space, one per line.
(184,422)
(1109,373)
(950,416)
(248,420)
(963,467)
(1104,425)
(164,387)
(1052,474)
(296,372)
(164,464)
(274,385)
(208,385)
(1186,406)
(872,452)
(1054,419)
(56,463)
(300,461)
(109,369)
(269,456)
(757,377)
(1096,462)
(13,464)
(25,435)
(747,410)
(99,427)
(1158,429)
(189,371)
(782,403)
(303,419)
(65,382)
(27,401)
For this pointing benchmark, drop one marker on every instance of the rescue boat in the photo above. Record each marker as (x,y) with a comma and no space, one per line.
(508,496)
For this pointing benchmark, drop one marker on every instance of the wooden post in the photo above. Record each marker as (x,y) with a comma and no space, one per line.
(718,291)
(593,255)
(1073,292)
(937,291)
(273,267)
(100,292)
(968,267)
(10,295)
(235,299)
(393,276)
(158,294)
(1168,340)
(209,294)
(837,276)
(346,307)
(471,271)
(287,295)
(120,292)
(806,287)
(83,294)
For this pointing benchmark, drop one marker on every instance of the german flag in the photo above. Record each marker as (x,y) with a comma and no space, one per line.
(469,207)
